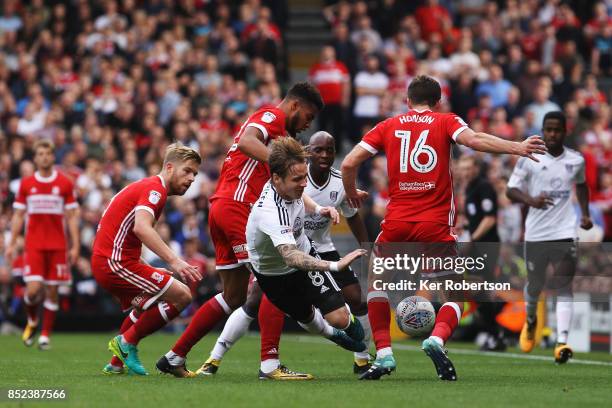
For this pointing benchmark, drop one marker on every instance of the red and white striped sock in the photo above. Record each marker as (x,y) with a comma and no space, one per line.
(150,321)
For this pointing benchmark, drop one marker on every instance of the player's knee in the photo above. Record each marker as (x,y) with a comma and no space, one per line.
(339,318)
(182,297)
(35,293)
(234,300)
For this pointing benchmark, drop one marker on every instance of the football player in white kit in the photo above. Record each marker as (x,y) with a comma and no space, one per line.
(325,183)
(551,227)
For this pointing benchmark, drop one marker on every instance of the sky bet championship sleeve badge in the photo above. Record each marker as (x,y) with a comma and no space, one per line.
(268,117)
(154,197)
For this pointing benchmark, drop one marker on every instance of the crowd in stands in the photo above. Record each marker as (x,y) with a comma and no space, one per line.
(112,83)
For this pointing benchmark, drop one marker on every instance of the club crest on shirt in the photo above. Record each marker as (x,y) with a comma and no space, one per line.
(333,195)
(569,168)
(154,197)
(268,117)
(55,190)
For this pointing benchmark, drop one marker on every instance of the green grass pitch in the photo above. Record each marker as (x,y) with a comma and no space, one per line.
(76,361)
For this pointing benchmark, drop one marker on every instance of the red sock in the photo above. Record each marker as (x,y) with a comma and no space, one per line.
(379,315)
(205,319)
(447,320)
(128,322)
(271,322)
(31,310)
(150,321)
(49,312)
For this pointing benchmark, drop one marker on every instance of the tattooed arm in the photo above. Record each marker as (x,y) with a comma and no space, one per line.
(300,260)
(297,259)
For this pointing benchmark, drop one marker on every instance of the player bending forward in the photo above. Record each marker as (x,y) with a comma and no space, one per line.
(550,229)
(297,283)
(422,207)
(154,296)
(325,188)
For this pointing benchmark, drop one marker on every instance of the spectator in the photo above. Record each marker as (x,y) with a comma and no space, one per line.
(370,86)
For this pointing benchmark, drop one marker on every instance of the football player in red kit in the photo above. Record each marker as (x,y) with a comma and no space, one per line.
(153,294)
(45,197)
(422,207)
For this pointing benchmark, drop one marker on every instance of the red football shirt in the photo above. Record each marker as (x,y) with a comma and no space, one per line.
(329,80)
(418,149)
(115,238)
(243,178)
(45,199)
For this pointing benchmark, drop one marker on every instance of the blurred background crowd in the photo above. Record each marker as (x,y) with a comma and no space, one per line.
(112,83)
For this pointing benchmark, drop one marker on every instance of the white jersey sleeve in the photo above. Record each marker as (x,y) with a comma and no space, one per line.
(580,177)
(520,174)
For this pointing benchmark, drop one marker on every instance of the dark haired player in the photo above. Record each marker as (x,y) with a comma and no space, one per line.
(550,228)
(422,207)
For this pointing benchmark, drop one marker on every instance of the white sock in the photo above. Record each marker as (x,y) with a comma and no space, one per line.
(269,365)
(318,325)
(235,327)
(174,358)
(565,309)
(437,340)
(367,330)
(43,339)
(384,352)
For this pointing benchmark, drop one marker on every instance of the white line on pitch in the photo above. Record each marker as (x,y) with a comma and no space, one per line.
(309,339)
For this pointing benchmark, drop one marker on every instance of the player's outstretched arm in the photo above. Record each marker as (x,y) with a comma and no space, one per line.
(143,229)
(16,229)
(485,142)
(349,168)
(297,259)
(251,144)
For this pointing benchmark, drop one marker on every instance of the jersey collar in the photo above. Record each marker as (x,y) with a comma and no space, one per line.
(421,111)
(559,157)
(162,181)
(42,179)
(315,185)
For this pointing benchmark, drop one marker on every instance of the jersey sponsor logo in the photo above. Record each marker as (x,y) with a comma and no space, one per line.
(297,227)
(487,204)
(268,117)
(55,190)
(333,195)
(561,194)
(239,248)
(154,197)
(556,182)
(157,277)
(316,225)
(416,186)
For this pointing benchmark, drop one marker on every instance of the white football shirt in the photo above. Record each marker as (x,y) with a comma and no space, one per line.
(330,194)
(555,177)
(274,221)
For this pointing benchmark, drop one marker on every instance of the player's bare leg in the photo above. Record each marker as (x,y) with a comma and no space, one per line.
(236,326)
(50,308)
(170,304)
(235,283)
(352,296)
(33,297)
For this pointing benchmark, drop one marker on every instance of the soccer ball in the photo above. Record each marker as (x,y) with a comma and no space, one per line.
(415,316)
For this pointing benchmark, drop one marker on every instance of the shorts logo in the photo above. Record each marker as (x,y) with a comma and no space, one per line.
(154,197)
(239,248)
(324,289)
(156,276)
(139,301)
(333,195)
(268,117)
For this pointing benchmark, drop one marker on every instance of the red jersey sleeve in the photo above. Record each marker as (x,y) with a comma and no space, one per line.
(374,140)
(151,199)
(70,201)
(454,125)
(20,199)
(270,122)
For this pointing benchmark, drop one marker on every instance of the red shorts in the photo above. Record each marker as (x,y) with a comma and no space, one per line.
(133,283)
(432,240)
(48,266)
(227,220)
